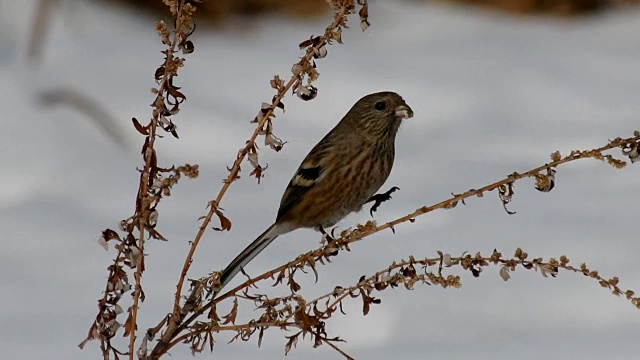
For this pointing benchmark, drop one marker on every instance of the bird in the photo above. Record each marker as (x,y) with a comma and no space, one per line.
(340,174)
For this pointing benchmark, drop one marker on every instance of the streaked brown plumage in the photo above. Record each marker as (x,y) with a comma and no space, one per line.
(338,176)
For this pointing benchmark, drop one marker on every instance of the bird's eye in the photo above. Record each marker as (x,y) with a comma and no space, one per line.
(380,105)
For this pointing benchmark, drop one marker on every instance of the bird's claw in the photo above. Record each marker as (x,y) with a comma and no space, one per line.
(380,198)
(329,239)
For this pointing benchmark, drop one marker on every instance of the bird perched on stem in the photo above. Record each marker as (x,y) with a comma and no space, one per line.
(339,175)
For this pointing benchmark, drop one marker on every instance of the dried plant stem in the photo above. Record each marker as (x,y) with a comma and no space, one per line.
(346,356)
(611,284)
(104,351)
(140,265)
(176,318)
(574,155)
(143,187)
(219,328)
(403,273)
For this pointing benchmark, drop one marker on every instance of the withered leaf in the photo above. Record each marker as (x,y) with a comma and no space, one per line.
(313,41)
(409,271)
(231,317)
(291,342)
(159,73)
(213,315)
(154,162)
(109,234)
(187,47)
(141,129)
(280,277)
(130,240)
(366,301)
(225,223)
(341,309)
(129,325)
(380,286)
(293,285)
(312,265)
(317,311)
(364,12)
(211,341)
(145,146)
(173,92)
(317,340)
(260,335)
(257,173)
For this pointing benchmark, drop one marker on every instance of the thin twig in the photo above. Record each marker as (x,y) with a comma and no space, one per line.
(467,262)
(144,181)
(337,349)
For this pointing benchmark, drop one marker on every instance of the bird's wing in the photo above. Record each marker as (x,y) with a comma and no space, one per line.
(310,172)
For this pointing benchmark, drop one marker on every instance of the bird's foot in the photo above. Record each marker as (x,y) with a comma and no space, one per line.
(380,198)
(330,241)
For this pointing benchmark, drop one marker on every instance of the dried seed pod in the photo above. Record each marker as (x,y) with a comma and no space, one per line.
(187,47)
(313,41)
(280,104)
(273,141)
(319,53)
(505,192)
(307,92)
(296,69)
(364,16)
(337,35)
(632,150)
(546,182)
(504,273)
(153,218)
(276,83)
(264,108)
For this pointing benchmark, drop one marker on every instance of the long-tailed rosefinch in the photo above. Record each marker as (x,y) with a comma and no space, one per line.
(339,175)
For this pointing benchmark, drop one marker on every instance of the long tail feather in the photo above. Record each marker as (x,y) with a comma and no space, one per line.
(249,253)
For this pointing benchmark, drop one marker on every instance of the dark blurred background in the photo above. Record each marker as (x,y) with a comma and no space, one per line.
(215,10)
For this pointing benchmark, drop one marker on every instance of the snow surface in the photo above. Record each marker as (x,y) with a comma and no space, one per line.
(492,94)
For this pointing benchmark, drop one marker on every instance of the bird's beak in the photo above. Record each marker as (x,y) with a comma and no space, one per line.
(403,112)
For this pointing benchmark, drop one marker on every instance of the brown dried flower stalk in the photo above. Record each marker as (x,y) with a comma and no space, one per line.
(310,316)
(155,182)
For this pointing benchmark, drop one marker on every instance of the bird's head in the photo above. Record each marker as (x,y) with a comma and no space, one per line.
(380,113)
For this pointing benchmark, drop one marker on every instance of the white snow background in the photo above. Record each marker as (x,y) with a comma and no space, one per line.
(492,94)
